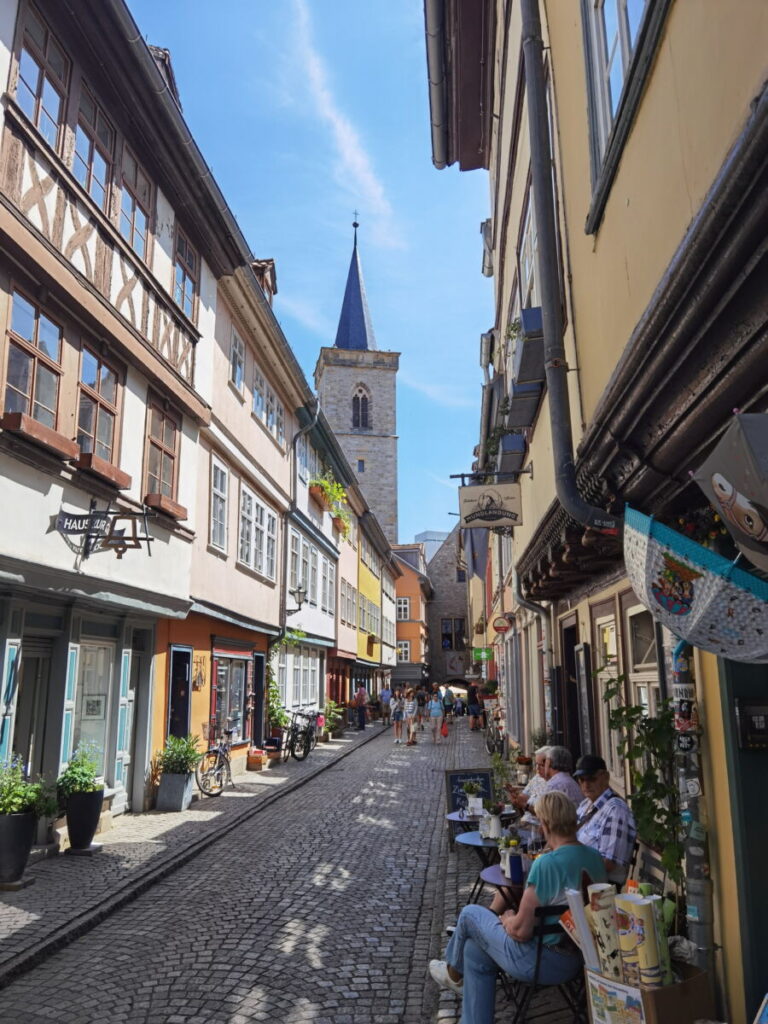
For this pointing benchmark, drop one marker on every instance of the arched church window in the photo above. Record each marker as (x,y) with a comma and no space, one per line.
(361,409)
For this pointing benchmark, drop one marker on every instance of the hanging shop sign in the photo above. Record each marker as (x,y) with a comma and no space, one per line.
(501,625)
(490,505)
(482,653)
(103,530)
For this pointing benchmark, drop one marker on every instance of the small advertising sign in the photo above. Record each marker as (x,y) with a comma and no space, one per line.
(501,625)
(489,505)
(482,653)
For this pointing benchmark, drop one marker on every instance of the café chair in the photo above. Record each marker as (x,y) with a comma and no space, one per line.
(521,993)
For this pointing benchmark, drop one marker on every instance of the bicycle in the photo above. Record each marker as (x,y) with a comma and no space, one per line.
(300,740)
(494,733)
(214,769)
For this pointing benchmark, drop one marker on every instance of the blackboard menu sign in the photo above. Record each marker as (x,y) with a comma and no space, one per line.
(455,796)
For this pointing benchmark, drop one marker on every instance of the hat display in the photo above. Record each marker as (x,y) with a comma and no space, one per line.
(590,764)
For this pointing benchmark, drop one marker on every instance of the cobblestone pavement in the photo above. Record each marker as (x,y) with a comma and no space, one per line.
(323,904)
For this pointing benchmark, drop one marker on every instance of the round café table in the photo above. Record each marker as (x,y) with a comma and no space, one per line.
(460,821)
(487,851)
(511,891)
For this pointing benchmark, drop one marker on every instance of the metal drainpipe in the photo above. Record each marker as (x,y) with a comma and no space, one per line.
(434,11)
(698,885)
(555,364)
(543,616)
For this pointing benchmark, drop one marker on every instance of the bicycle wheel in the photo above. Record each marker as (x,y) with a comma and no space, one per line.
(313,733)
(491,739)
(285,749)
(302,744)
(211,773)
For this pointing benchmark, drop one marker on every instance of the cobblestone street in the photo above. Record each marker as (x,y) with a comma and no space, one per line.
(326,905)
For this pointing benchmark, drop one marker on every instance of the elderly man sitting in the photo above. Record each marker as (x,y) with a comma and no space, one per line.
(605,821)
(557,771)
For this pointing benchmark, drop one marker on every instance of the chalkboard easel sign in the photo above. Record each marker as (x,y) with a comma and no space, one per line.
(455,796)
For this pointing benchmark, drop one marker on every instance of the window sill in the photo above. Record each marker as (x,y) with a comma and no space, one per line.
(236,391)
(24,425)
(255,574)
(161,503)
(88,462)
(219,552)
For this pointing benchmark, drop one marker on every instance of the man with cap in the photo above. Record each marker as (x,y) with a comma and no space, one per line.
(604,820)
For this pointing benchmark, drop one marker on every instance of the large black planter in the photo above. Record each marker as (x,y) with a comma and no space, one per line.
(83,812)
(17,833)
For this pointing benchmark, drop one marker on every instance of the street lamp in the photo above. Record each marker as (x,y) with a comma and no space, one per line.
(299,595)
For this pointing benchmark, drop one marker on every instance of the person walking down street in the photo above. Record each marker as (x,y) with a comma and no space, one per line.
(458,707)
(409,716)
(361,699)
(473,707)
(385,697)
(448,703)
(435,713)
(482,942)
(421,700)
(396,707)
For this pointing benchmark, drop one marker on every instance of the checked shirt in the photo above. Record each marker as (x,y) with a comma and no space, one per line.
(610,829)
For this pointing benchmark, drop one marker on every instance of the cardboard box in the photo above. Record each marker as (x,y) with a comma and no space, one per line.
(682,1003)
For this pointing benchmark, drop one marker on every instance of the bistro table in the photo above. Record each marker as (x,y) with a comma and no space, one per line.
(511,891)
(460,821)
(487,850)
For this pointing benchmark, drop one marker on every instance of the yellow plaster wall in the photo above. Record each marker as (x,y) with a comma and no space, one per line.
(721,845)
(369,586)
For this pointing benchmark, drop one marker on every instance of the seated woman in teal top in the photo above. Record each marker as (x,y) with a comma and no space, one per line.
(482,942)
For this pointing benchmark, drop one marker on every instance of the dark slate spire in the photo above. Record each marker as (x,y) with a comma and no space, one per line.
(355,329)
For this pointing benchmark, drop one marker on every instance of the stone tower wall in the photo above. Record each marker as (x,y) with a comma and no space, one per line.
(449,600)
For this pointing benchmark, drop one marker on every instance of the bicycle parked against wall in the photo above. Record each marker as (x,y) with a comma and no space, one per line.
(300,737)
(494,732)
(214,770)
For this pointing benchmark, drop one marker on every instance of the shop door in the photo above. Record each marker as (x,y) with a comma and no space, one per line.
(32,704)
(257,725)
(178,695)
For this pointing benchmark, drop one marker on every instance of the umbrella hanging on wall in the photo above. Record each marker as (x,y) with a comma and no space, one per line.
(735,481)
(699,595)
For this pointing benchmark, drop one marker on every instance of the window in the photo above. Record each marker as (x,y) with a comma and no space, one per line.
(361,419)
(305,697)
(644,672)
(97,406)
(324,586)
(271,411)
(343,593)
(135,205)
(237,360)
(352,606)
(43,73)
(230,697)
(259,394)
(296,676)
(94,147)
(34,363)
(219,485)
(362,620)
(613,28)
(452,634)
(461,575)
(403,608)
(313,576)
(606,655)
(268,408)
(314,676)
(185,274)
(331,588)
(94,684)
(305,565)
(294,560)
(403,650)
(361,465)
(301,454)
(528,253)
(258,536)
(162,445)
(282,675)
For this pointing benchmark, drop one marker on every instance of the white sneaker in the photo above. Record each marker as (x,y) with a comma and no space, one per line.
(439,971)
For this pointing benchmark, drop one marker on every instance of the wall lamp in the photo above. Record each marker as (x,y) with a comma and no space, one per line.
(299,595)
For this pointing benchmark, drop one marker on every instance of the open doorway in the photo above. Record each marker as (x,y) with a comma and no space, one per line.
(179,684)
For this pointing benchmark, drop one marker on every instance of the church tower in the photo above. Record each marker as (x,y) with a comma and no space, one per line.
(356,385)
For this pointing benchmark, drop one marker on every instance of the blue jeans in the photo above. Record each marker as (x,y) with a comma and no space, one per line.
(480,946)
(361,717)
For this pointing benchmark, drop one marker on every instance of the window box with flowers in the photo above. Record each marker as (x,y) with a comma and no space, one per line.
(331,496)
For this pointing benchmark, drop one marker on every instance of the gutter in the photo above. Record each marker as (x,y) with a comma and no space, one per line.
(434,25)
(556,367)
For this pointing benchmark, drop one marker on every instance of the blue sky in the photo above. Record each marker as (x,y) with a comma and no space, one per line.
(307,110)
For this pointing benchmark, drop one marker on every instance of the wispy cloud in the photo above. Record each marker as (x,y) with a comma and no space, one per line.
(307,316)
(450,484)
(354,169)
(453,396)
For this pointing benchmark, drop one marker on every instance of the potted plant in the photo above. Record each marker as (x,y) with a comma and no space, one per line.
(333,718)
(474,800)
(21,803)
(176,763)
(81,795)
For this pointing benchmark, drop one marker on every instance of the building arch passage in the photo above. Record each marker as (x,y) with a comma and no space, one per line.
(362,408)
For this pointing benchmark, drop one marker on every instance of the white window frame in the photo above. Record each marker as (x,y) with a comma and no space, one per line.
(331,588)
(313,575)
(282,675)
(361,617)
(305,564)
(218,525)
(237,361)
(353,607)
(529,245)
(258,398)
(305,699)
(296,695)
(403,650)
(314,675)
(604,673)
(257,534)
(403,609)
(302,458)
(644,676)
(324,585)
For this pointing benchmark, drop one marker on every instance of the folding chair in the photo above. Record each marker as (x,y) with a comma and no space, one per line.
(521,993)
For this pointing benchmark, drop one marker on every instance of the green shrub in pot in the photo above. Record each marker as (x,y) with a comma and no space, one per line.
(176,762)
